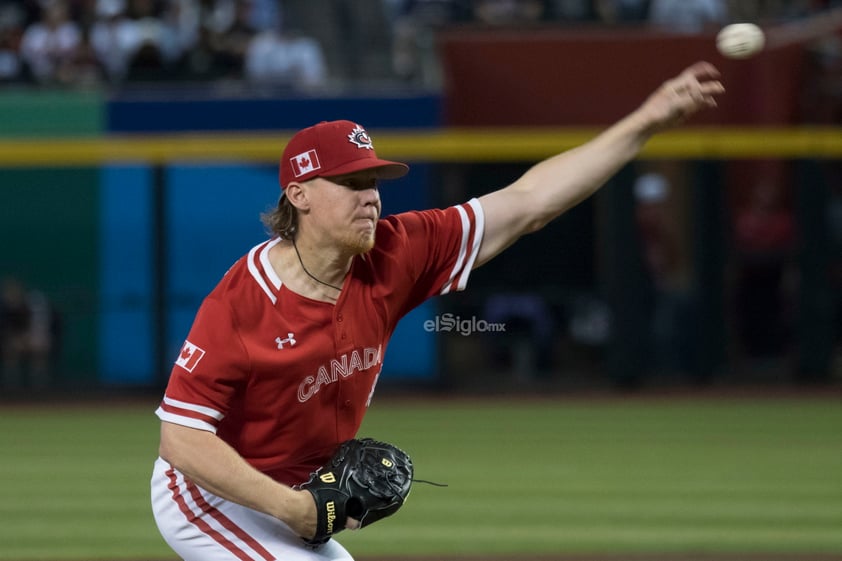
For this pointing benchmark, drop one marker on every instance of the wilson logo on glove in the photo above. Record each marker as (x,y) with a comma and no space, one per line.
(330,513)
(365,479)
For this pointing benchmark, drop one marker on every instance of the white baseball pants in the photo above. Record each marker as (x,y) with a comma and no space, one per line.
(200,526)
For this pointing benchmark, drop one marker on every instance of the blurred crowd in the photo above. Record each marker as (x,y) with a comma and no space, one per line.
(301,43)
(29,336)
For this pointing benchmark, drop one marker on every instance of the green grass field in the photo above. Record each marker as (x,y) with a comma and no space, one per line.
(544,476)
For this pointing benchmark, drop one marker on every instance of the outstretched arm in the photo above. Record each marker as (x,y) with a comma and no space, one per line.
(554,185)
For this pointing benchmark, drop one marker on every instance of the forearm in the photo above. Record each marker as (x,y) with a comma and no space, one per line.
(559,183)
(554,185)
(213,465)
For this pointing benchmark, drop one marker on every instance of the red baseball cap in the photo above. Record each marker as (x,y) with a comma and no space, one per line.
(333,148)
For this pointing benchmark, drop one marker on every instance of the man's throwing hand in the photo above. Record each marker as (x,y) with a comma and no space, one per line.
(696,88)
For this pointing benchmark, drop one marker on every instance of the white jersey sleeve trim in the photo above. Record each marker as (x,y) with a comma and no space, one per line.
(479,231)
(466,229)
(467,254)
(255,273)
(184,421)
(267,266)
(207,411)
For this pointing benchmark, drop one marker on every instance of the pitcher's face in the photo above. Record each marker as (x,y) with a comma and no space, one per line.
(346,208)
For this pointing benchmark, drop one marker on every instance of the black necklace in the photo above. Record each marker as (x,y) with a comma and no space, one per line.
(309,274)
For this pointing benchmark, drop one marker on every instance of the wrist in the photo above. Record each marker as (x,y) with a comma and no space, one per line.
(297,509)
(641,124)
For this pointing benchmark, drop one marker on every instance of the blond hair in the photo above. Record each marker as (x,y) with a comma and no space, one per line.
(282,220)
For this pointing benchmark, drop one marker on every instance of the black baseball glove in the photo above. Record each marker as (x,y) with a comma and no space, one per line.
(365,479)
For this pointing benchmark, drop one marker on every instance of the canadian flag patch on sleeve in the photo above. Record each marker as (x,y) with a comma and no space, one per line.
(189,356)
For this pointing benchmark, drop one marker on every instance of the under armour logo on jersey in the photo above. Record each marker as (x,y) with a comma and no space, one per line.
(290,339)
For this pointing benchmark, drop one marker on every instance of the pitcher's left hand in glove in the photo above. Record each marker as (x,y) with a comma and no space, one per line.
(365,479)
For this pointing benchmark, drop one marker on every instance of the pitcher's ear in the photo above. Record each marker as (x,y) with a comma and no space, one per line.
(297,194)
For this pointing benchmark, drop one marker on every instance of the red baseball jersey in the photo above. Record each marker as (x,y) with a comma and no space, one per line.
(284,379)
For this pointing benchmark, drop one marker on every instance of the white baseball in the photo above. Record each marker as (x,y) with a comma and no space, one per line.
(740,40)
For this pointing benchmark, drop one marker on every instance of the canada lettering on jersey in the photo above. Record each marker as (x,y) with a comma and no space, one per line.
(342,367)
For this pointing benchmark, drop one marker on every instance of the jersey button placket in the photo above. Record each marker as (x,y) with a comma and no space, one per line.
(340,329)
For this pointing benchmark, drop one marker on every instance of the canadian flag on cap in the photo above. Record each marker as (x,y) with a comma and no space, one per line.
(305,163)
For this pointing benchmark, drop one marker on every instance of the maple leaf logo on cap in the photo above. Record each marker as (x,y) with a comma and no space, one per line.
(359,137)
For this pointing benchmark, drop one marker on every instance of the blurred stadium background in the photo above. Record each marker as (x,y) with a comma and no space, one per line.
(713,259)
(132,175)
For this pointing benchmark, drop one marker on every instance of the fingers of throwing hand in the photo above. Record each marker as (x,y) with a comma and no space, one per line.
(704,93)
(696,88)
(701,82)
(701,71)
(689,90)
